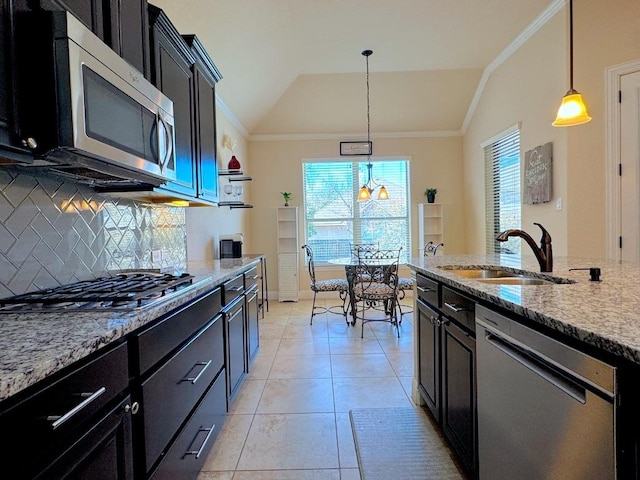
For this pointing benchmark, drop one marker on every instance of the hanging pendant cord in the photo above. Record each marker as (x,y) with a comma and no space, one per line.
(571,45)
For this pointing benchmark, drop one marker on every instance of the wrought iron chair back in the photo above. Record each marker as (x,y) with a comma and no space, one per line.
(430,249)
(375,285)
(339,285)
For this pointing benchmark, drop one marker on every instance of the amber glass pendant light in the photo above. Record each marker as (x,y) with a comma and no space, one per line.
(367,189)
(572,111)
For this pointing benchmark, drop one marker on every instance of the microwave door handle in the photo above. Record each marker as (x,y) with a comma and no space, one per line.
(167,144)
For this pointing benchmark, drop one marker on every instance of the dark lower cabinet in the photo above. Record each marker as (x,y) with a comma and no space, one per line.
(253,332)
(459,415)
(188,452)
(234,315)
(75,424)
(103,453)
(429,373)
(446,352)
(180,379)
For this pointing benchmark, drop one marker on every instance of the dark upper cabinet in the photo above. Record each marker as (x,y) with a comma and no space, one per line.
(171,72)
(205,77)
(121,24)
(182,70)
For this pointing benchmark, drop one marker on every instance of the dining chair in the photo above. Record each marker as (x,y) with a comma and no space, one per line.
(430,249)
(339,285)
(375,287)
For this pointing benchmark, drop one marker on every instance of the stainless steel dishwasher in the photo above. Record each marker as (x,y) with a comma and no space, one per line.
(545,410)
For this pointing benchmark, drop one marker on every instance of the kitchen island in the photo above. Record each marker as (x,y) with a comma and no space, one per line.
(478,319)
(604,314)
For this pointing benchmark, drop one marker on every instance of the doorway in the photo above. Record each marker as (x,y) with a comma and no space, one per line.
(623,162)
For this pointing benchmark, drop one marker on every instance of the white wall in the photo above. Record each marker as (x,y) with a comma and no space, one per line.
(434,162)
(206,224)
(527,88)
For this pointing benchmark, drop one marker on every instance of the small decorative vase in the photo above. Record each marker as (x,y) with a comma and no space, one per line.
(234,164)
(286,203)
(431,198)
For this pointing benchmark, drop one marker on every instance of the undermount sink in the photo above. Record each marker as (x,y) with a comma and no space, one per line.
(502,276)
(520,280)
(481,273)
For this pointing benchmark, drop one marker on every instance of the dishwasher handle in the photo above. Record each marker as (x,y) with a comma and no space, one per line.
(550,373)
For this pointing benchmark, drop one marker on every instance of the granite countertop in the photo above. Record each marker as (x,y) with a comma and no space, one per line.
(604,314)
(35,345)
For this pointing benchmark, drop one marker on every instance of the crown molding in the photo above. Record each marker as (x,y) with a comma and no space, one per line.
(520,40)
(231,117)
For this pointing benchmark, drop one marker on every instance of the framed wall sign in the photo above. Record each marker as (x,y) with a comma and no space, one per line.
(356,148)
(537,174)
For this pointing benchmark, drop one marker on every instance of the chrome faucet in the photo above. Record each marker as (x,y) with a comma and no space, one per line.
(543,254)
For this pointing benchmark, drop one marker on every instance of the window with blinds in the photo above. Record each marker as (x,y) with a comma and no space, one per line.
(502,187)
(334,219)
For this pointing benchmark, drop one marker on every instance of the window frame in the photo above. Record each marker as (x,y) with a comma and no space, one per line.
(357,220)
(502,148)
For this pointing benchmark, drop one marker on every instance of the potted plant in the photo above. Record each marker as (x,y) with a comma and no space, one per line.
(286,196)
(431,194)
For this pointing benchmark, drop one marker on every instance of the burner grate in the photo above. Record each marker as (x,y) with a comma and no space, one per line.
(123,289)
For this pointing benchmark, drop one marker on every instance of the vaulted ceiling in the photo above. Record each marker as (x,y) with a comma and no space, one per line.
(295,67)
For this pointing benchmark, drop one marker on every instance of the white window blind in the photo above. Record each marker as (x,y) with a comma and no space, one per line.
(502,187)
(334,219)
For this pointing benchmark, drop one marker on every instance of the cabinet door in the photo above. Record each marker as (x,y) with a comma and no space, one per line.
(459,392)
(104,452)
(235,337)
(288,277)
(130,33)
(172,74)
(207,163)
(429,357)
(253,333)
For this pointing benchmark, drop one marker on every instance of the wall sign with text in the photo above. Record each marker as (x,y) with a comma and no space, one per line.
(537,174)
(356,148)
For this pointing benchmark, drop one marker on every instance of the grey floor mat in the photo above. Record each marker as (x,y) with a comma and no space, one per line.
(400,444)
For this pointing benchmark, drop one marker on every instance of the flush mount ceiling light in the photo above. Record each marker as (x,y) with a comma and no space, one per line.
(572,111)
(367,189)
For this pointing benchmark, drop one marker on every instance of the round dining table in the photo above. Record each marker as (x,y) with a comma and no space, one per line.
(350,264)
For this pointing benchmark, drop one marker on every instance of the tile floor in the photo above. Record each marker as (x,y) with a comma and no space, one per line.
(290,420)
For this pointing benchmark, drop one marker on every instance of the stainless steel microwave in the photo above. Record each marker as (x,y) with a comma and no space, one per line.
(84,111)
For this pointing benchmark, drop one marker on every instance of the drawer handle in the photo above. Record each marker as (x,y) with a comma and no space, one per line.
(198,452)
(235,289)
(88,398)
(424,289)
(255,277)
(193,380)
(456,307)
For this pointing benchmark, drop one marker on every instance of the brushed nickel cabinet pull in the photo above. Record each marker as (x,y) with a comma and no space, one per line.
(455,307)
(58,420)
(198,452)
(193,380)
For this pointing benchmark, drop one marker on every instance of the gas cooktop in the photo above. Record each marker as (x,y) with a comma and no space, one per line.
(129,290)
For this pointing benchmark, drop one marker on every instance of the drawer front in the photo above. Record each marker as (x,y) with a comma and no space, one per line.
(57,415)
(251,278)
(428,290)
(159,340)
(188,453)
(455,305)
(233,289)
(174,389)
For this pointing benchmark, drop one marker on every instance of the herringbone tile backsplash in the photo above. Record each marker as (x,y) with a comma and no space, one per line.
(54,232)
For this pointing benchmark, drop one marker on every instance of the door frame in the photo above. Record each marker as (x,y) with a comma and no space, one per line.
(612,138)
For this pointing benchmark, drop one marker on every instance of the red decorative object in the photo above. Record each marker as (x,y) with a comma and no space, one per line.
(234,164)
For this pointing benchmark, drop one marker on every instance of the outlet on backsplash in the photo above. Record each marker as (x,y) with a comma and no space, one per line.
(156,256)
